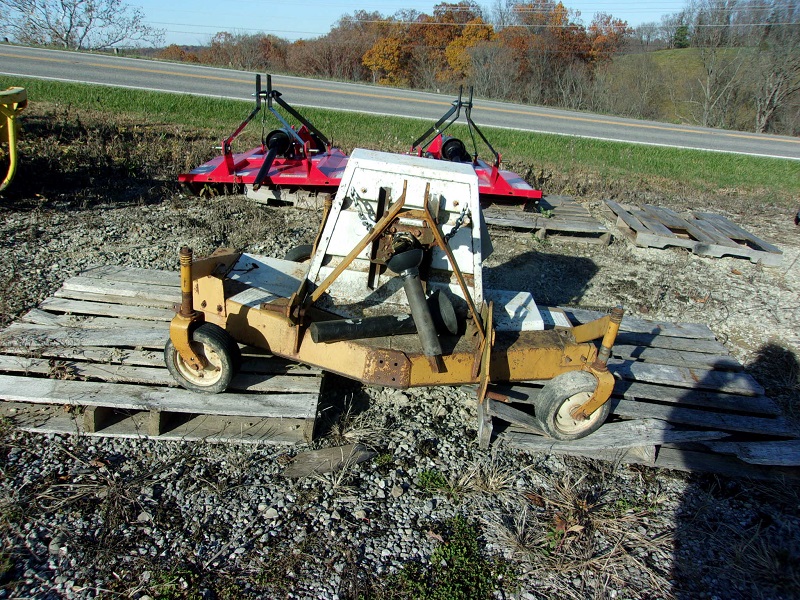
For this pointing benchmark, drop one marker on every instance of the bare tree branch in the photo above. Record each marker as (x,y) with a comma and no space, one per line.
(77,24)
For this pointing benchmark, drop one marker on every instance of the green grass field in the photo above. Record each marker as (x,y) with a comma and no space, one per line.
(599,166)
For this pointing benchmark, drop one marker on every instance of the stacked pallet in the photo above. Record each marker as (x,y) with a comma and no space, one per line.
(90,360)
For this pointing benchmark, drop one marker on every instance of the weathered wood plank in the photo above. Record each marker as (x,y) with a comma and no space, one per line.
(690,460)
(252,362)
(703,379)
(783,453)
(27,335)
(682,397)
(692,398)
(61,369)
(709,229)
(107,355)
(567,225)
(122,396)
(676,358)
(122,300)
(634,224)
(674,221)
(635,325)
(777,427)
(614,436)
(327,460)
(653,225)
(136,275)
(142,291)
(38,317)
(736,232)
(134,424)
(672,342)
(104,309)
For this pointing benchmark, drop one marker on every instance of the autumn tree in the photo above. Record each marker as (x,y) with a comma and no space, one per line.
(607,36)
(389,60)
(77,24)
(475,33)
(178,54)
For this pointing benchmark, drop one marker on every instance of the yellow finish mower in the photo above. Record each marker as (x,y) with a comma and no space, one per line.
(391,294)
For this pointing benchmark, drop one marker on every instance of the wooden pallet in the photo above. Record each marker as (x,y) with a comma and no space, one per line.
(555,217)
(705,234)
(680,402)
(90,360)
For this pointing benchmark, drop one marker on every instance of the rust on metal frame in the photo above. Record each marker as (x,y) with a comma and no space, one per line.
(187,318)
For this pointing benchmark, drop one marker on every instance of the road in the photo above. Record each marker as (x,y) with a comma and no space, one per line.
(225,83)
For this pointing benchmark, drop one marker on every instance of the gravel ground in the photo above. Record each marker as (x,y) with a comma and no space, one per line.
(98,518)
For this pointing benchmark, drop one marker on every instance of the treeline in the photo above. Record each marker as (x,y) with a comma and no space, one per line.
(719,63)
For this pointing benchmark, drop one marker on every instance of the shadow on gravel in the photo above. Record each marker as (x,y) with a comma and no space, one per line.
(341,401)
(552,279)
(737,535)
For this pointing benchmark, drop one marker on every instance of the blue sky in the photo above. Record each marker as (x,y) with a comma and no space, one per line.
(195,22)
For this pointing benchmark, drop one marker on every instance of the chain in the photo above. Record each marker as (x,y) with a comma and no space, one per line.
(360,204)
(465,212)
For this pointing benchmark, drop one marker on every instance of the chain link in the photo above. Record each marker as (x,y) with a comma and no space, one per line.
(465,212)
(360,205)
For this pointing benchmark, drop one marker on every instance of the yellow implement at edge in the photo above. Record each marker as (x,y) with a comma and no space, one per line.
(12,101)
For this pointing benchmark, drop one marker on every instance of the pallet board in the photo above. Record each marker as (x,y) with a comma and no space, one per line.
(680,402)
(90,360)
(704,233)
(554,217)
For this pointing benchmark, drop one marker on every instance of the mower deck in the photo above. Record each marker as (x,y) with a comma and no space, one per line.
(321,173)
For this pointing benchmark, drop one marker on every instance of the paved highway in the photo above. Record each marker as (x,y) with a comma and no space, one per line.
(224,83)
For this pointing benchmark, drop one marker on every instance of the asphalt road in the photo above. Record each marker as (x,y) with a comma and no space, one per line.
(225,83)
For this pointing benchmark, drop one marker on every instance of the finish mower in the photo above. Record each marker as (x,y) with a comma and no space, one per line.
(295,165)
(287,160)
(391,293)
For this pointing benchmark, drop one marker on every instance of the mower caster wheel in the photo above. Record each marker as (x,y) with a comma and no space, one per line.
(300,253)
(559,397)
(220,351)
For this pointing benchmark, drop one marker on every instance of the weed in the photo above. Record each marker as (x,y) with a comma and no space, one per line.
(384,459)
(487,479)
(432,481)
(546,212)
(458,568)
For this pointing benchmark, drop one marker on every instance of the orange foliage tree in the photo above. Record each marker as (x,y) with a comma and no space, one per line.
(388,59)
(474,33)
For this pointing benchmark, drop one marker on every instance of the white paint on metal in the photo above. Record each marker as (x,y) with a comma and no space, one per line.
(279,277)
(514,311)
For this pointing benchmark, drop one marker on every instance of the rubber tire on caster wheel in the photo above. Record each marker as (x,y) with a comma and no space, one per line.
(300,253)
(220,351)
(562,394)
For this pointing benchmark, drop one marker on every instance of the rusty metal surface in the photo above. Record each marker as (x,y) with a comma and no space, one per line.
(180,329)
